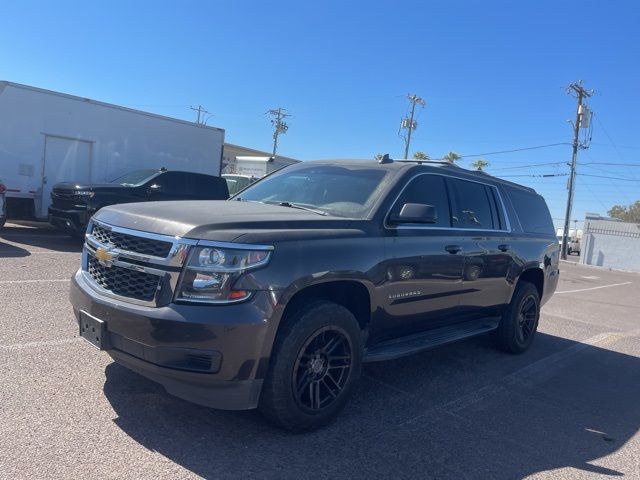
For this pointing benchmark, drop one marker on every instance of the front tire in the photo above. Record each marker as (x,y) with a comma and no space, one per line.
(316,360)
(519,323)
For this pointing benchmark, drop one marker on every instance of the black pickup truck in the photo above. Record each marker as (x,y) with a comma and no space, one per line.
(275,298)
(73,204)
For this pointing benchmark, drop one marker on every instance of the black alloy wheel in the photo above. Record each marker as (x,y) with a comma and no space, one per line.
(322,368)
(527,318)
(519,323)
(315,362)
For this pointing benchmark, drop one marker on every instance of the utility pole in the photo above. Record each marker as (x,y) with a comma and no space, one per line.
(200,111)
(279,125)
(409,123)
(579,91)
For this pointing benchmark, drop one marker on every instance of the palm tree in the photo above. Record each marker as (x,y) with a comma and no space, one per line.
(419,155)
(480,164)
(452,157)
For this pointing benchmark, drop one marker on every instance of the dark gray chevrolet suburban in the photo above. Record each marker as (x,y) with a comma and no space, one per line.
(274,298)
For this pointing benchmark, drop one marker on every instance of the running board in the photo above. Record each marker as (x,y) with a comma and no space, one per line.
(400,347)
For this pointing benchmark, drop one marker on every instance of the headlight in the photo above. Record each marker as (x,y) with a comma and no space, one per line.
(84,193)
(211,272)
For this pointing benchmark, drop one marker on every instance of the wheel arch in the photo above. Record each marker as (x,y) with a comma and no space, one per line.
(533,275)
(353,294)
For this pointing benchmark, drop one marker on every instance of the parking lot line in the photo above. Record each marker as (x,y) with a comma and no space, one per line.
(9,282)
(45,343)
(594,288)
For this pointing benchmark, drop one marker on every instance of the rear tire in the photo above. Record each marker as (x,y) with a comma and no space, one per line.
(519,323)
(316,360)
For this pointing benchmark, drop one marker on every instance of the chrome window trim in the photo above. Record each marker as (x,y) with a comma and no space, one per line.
(387,226)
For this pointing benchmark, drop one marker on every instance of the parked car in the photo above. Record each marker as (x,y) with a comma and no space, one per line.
(3,204)
(235,183)
(275,298)
(73,204)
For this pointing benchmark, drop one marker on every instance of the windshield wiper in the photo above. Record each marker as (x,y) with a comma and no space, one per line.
(301,207)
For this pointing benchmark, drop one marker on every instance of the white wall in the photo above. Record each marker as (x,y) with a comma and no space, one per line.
(611,250)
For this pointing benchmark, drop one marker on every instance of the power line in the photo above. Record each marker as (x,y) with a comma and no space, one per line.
(529,165)
(544,175)
(612,164)
(612,178)
(515,150)
(594,194)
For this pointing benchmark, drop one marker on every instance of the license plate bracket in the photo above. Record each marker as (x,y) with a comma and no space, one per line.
(94,331)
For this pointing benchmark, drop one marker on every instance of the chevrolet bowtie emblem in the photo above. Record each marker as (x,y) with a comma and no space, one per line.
(104,256)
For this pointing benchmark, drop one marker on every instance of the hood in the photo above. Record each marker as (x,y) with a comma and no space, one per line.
(87,187)
(227,221)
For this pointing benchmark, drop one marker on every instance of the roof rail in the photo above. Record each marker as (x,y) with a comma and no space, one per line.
(387,159)
(420,162)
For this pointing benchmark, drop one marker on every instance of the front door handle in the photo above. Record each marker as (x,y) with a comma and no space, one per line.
(504,247)
(453,248)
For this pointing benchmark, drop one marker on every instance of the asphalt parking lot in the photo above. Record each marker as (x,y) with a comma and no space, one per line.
(569,408)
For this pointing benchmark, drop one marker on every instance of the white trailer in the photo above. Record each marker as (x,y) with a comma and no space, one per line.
(48,137)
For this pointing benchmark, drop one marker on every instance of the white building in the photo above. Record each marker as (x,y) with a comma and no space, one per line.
(232,152)
(609,242)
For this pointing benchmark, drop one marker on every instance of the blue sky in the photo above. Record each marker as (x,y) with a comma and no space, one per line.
(492,73)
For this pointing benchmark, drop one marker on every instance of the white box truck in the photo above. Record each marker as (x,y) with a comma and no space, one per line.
(48,137)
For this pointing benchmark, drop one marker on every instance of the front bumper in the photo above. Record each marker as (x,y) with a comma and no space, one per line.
(161,344)
(74,221)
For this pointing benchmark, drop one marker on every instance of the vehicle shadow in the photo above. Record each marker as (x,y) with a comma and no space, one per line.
(8,250)
(461,411)
(35,234)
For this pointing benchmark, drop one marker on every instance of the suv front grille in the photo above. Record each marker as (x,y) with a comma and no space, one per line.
(123,281)
(130,243)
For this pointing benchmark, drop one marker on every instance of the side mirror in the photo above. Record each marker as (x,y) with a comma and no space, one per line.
(416,213)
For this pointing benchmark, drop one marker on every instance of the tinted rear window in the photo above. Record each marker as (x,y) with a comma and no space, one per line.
(474,206)
(532,211)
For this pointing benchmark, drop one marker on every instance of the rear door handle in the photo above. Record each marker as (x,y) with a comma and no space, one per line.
(504,247)
(453,248)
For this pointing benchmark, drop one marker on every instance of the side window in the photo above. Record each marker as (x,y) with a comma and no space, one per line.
(428,190)
(475,206)
(532,211)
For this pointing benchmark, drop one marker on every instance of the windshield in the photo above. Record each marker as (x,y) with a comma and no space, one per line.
(344,191)
(136,178)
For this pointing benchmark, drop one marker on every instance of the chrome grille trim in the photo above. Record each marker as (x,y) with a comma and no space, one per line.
(167,269)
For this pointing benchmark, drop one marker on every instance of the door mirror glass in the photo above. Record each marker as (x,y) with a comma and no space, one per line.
(416,213)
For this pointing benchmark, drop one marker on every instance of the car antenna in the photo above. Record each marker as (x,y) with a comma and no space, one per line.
(385,159)
(163,169)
